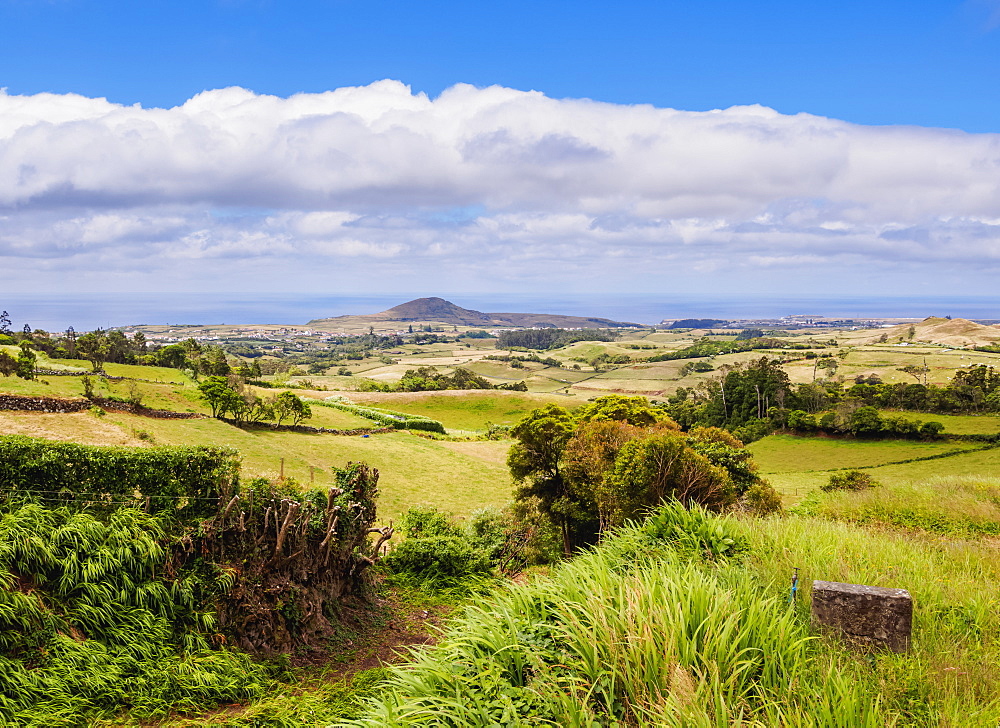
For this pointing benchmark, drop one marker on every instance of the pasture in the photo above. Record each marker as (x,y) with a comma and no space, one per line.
(795,466)
(461,410)
(458,477)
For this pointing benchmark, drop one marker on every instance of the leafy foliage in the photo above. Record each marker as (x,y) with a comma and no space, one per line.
(618,457)
(105,607)
(694,531)
(850,480)
(177,481)
(88,626)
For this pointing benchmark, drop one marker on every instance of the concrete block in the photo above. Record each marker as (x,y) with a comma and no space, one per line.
(867,615)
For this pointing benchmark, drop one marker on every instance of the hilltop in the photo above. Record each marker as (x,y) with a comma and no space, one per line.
(956,332)
(438,310)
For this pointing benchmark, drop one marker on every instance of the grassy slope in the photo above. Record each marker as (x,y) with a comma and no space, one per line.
(667,642)
(796,465)
(461,410)
(414,470)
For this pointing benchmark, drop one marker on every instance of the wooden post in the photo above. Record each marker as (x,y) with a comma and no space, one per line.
(312,475)
(282,476)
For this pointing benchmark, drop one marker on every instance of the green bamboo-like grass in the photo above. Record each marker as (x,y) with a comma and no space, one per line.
(628,634)
(638,633)
(87,628)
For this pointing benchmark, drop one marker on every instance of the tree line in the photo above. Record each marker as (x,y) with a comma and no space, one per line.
(753,398)
(542,339)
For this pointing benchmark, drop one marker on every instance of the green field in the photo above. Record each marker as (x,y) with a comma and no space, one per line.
(457,477)
(473,410)
(789,453)
(797,465)
(958,424)
(414,470)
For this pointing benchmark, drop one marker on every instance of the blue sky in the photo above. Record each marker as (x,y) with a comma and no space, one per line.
(348,146)
(930,63)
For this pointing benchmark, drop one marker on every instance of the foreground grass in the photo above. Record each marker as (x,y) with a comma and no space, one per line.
(637,634)
(950,677)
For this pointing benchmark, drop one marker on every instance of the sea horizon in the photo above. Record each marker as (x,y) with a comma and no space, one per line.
(88,311)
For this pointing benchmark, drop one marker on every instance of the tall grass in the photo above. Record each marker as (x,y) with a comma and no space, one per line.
(956,505)
(951,676)
(641,633)
(629,634)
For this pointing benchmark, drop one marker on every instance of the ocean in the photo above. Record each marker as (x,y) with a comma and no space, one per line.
(87,311)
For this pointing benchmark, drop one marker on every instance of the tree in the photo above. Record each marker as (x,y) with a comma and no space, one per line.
(172,355)
(213,362)
(801,420)
(5,323)
(534,460)
(726,451)
(287,405)
(917,372)
(659,467)
(25,362)
(95,348)
(865,422)
(588,457)
(71,342)
(219,395)
(8,364)
(618,408)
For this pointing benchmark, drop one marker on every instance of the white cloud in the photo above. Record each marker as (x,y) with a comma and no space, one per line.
(483,179)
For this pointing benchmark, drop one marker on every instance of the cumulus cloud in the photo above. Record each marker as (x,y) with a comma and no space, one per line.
(483,178)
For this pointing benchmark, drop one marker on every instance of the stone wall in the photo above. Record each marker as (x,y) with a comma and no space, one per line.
(42,404)
(57,404)
(309,429)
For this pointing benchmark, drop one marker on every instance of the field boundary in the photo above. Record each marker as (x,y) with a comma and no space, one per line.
(58,405)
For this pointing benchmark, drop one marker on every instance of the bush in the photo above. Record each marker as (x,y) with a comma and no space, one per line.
(753,430)
(850,480)
(761,500)
(437,561)
(426,522)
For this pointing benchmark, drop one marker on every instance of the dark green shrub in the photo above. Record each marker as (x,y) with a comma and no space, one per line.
(931,430)
(850,480)
(437,560)
(427,522)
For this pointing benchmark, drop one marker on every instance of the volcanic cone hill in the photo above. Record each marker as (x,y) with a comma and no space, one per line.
(438,310)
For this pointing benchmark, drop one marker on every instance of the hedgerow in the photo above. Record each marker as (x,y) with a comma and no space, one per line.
(179,481)
(398,420)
